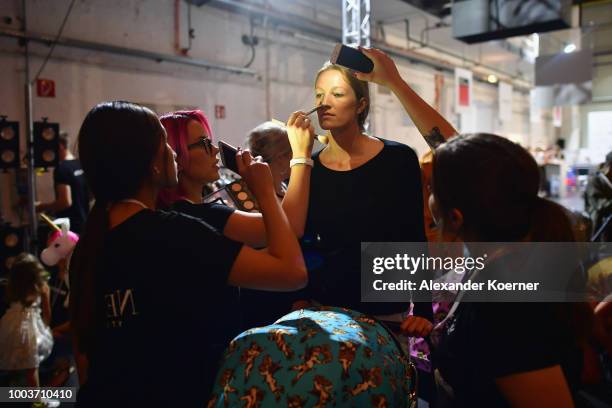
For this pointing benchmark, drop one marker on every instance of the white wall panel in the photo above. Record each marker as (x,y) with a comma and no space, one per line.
(84,78)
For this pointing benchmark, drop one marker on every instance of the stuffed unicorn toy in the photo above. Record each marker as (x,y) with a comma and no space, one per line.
(60,244)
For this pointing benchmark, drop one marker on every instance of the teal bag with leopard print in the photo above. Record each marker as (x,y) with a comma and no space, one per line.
(323,357)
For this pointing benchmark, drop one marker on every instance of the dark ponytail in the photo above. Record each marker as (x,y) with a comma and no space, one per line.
(117,144)
(83,275)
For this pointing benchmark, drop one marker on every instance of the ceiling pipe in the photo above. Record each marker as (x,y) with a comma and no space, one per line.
(130,52)
(323,31)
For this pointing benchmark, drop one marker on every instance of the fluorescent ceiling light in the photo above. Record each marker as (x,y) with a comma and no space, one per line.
(569,48)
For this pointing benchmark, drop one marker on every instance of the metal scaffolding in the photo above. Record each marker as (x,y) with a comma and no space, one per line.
(356,31)
(356,22)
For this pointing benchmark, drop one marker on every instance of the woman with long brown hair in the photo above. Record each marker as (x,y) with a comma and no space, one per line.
(142,279)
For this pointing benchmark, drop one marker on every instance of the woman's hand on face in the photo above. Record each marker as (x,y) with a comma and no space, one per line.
(385,71)
(255,173)
(301,134)
(416,326)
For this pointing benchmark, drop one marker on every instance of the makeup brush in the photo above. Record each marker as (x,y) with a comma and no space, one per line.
(316,108)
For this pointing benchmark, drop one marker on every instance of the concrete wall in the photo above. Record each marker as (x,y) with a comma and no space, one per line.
(285,67)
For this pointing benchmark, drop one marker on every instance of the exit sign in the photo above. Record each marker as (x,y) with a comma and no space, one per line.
(45,88)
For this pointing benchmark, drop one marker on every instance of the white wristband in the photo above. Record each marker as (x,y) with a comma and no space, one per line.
(301,160)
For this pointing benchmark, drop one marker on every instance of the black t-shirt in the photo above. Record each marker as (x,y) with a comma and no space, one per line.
(69,172)
(379,201)
(217,215)
(213,214)
(485,341)
(158,319)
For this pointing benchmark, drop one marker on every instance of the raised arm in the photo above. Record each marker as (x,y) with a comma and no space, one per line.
(281,265)
(245,227)
(434,128)
(295,203)
(250,228)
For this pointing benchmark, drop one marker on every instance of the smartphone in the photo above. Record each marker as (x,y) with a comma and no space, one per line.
(228,156)
(351,58)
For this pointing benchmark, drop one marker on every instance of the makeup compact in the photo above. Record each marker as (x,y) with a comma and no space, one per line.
(235,194)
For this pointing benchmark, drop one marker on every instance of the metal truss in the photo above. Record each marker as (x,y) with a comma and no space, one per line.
(356,22)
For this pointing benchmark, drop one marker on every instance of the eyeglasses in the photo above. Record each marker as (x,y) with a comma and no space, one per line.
(202,142)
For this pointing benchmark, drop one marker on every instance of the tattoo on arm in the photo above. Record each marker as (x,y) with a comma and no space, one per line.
(434,138)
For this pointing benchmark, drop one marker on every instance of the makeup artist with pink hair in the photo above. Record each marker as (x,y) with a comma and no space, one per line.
(190,136)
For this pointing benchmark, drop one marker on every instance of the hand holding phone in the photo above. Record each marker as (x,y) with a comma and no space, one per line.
(351,58)
(385,71)
(228,156)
